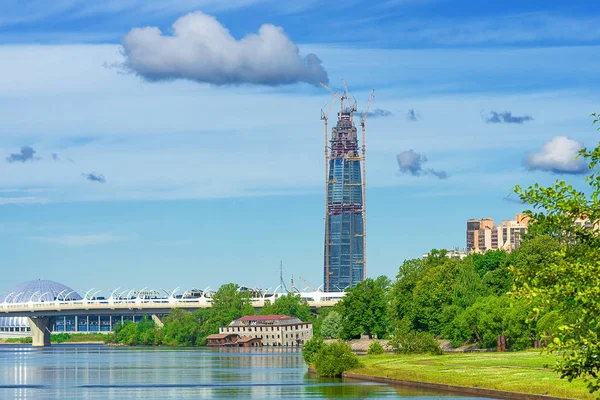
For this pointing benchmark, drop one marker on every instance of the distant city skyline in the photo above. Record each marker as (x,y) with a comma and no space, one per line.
(123,164)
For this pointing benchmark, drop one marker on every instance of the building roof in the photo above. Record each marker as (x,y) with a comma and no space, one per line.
(220,335)
(246,339)
(276,317)
(39,290)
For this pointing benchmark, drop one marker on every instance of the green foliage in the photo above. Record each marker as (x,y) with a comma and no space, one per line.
(375,348)
(364,309)
(332,326)
(311,348)
(432,292)
(402,291)
(568,282)
(317,322)
(406,340)
(333,359)
(183,328)
(465,301)
(290,304)
(492,316)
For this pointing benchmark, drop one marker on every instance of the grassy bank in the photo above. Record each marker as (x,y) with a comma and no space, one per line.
(525,372)
(65,338)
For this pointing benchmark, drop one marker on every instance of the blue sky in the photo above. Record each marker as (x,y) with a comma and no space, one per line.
(206,184)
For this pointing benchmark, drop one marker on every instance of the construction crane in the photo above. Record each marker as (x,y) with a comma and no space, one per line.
(325,119)
(309,285)
(363,120)
(347,96)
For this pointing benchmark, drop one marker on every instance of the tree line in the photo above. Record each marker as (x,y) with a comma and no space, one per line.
(184,328)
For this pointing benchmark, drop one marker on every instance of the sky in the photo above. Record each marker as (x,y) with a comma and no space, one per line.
(157,144)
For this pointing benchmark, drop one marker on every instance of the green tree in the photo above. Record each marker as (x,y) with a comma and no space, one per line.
(570,281)
(333,359)
(290,304)
(432,292)
(228,303)
(181,328)
(402,291)
(375,348)
(332,326)
(311,348)
(364,308)
(406,340)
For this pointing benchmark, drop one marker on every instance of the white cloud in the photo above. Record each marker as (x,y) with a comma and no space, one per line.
(557,156)
(79,240)
(203,50)
(22,200)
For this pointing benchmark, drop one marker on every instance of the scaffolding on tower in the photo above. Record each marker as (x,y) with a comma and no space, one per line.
(345,194)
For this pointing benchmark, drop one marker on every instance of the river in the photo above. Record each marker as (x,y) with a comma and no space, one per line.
(99,372)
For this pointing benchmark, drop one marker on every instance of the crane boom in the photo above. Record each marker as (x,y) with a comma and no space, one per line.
(308,284)
(363,121)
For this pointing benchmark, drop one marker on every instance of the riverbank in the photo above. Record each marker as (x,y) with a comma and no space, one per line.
(60,338)
(518,372)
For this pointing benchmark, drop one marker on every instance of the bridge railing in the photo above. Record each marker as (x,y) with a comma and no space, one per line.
(314,299)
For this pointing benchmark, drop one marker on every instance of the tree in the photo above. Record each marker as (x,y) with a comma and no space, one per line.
(406,340)
(290,304)
(228,303)
(364,308)
(332,326)
(333,359)
(402,291)
(375,348)
(570,281)
(311,348)
(181,328)
(432,292)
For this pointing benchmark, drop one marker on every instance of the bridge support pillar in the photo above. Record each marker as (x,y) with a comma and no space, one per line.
(157,320)
(40,330)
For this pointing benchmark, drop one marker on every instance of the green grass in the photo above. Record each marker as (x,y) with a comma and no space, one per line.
(525,372)
(64,338)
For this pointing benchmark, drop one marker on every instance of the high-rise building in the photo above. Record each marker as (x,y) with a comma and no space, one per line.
(345,218)
(482,235)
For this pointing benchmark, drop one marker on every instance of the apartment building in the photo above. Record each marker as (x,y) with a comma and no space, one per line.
(483,235)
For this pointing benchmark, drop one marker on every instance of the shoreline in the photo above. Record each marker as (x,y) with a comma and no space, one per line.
(467,390)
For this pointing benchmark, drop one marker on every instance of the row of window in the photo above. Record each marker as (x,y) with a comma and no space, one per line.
(260,328)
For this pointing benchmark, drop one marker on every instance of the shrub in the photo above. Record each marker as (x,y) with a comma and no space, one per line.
(311,348)
(335,358)
(375,348)
(406,340)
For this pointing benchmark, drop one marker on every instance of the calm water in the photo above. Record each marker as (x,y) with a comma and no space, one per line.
(98,372)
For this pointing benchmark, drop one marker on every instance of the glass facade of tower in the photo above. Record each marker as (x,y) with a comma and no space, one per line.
(344,259)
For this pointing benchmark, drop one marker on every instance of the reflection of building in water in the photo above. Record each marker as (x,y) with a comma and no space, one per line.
(49,291)
(273,330)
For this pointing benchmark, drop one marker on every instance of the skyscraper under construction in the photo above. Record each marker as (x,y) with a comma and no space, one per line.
(345,226)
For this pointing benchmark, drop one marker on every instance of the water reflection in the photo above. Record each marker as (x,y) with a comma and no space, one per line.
(98,372)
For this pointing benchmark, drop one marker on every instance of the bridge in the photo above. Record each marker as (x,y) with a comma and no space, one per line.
(41,314)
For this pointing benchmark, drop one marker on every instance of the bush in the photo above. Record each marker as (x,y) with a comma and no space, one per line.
(406,340)
(375,348)
(60,337)
(335,358)
(311,348)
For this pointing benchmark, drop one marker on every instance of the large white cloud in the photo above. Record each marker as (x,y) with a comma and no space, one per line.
(203,50)
(557,156)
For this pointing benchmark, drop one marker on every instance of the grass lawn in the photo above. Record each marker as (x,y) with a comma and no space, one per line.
(525,372)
